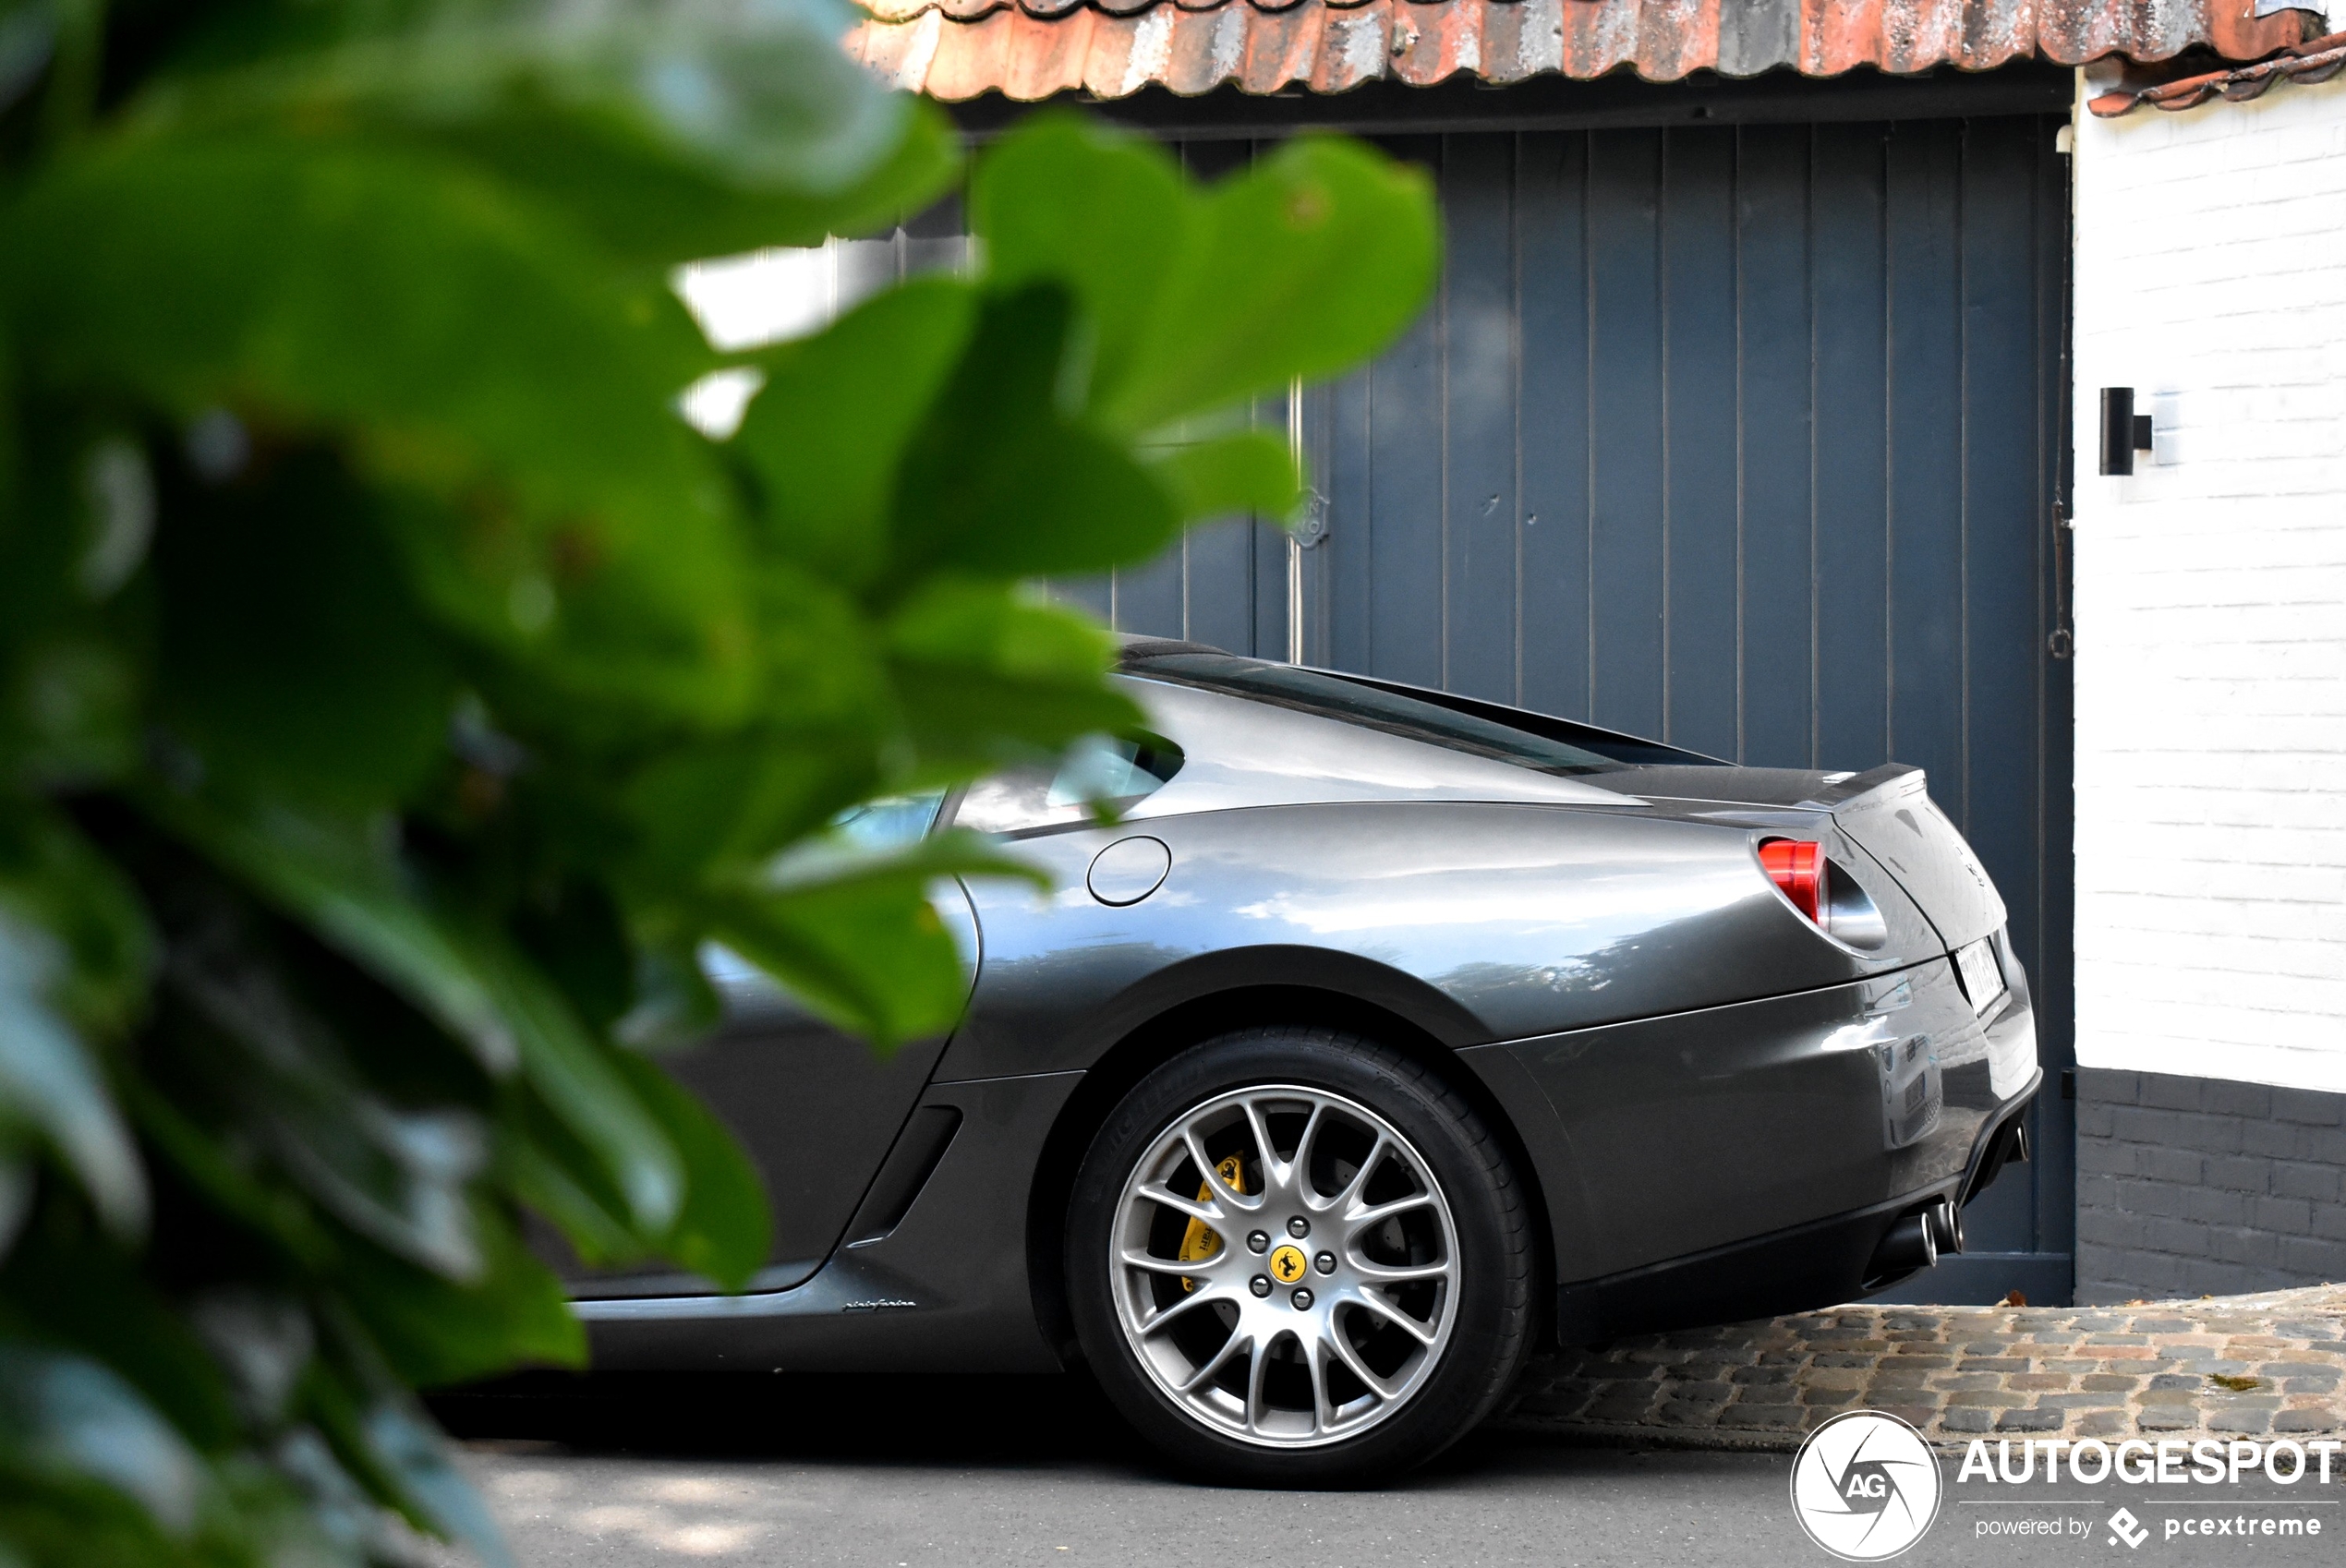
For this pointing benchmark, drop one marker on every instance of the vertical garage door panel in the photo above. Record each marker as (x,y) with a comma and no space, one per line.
(1148,598)
(1344,472)
(1407,425)
(1627,523)
(1850,474)
(1772,398)
(2010,393)
(1478,310)
(1926,456)
(1552,269)
(1096,594)
(2003,411)
(1269,556)
(1218,591)
(1702,671)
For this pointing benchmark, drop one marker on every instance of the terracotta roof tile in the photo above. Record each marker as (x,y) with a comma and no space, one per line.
(2316,60)
(1032,49)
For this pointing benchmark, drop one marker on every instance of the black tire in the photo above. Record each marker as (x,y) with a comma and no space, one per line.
(1491,1334)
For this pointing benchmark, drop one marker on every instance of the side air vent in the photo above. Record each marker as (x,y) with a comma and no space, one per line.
(906,1171)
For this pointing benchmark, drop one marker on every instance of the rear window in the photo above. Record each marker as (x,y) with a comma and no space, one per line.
(1373,707)
(890,823)
(1096,781)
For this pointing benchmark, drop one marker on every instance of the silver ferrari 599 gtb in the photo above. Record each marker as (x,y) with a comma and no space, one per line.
(1382,1036)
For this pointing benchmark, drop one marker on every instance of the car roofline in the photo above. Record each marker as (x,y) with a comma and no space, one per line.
(1133,653)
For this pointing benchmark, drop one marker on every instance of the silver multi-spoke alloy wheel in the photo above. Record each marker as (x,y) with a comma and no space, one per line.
(1285,1266)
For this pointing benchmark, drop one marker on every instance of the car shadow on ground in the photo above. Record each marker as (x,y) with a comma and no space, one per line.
(963,1419)
(1024,1422)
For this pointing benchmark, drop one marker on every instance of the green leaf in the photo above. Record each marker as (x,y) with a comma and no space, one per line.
(262,1338)
(1002,480)
(434,1333)
(854,934)
(77,1292)
(67,1419)
(645,203)
(1104,214)
(1305,263)
(696,806)
(413,1457)
(76,508)
(724,1231)
(1310,261)
(50,1087)
(351,891)
(380,1440)
(282,1074)
(557,1178)
(332,1516)
(824,437)
(346,885)
(471,349)
(54,880)
(69,710)
(1247,472)
(669,127)
(987,677)
(224,1178)
(732,803)
(674,1001)
(290,657)
(578,1079)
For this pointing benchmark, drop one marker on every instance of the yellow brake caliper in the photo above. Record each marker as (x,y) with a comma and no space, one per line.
(1199,1242)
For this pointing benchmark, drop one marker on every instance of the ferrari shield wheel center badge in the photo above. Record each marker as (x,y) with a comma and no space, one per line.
(1288,1264)
(1865,1486)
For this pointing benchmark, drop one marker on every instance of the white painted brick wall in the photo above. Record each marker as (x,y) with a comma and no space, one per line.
(2211,592)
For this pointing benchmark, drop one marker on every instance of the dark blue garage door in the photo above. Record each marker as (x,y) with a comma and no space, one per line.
(1742,436)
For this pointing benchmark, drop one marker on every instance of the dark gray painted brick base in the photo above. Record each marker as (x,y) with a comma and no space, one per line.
(2199,1187)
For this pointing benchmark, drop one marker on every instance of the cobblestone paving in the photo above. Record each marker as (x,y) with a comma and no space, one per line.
(2221,1366)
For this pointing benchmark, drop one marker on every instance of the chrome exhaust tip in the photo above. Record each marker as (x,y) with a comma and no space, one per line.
(1916,1241)
(1912,1245)
(1946,1225)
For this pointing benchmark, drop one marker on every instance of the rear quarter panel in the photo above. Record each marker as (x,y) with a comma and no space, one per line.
(1479,922)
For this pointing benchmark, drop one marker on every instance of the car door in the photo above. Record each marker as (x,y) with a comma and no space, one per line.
(817,1108)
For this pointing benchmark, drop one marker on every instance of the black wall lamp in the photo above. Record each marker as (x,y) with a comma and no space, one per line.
(2124,432)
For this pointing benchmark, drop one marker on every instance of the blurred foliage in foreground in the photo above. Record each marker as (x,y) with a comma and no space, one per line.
(396,695)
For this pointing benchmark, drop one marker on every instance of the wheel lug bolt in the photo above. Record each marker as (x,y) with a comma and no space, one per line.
(1298,1227)
(1302,1299)
(1258,1242)
(1260,1284)
(1325,1263)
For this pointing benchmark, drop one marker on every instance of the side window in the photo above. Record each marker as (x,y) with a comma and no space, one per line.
(1099,777)
(891,822)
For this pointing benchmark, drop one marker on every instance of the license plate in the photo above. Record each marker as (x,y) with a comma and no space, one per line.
(1983,978)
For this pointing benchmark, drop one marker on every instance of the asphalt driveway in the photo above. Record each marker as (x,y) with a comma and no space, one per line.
(943,1472)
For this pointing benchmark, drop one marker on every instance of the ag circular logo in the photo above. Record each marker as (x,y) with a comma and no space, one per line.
(1287,1265)
(1865,1486)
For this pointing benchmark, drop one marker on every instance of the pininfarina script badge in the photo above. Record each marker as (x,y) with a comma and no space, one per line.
(1865,1486)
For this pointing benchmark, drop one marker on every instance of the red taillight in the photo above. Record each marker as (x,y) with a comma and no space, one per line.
(1798,867)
